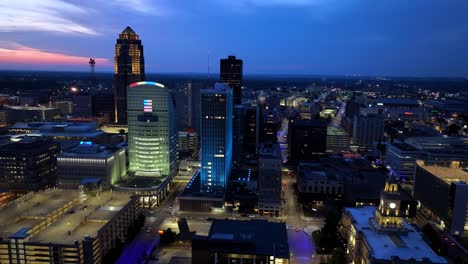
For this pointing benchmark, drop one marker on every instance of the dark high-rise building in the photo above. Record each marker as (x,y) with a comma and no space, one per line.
(184,108)
(367,130)
(103,106)
(82,105)
(187,98)
(231,71)
(129,67)
(269,126)
(307,139)
(252,132)
(29,165)
(352,108)
(238,125)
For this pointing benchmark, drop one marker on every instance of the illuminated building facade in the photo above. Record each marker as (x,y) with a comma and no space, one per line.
(216,138)
(381,235)
(129,67)
(152,136)
(443,195)
(231,72)
(91,161)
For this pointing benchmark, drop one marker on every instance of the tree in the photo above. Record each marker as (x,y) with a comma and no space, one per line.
(168,237)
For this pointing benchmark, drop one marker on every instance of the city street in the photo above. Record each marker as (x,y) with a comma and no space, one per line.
(336,121)
(301,244)
(145,241)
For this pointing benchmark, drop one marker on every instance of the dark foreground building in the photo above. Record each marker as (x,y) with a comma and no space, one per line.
(230,241)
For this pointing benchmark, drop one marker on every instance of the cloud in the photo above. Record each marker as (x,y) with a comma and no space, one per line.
(16,53)
(42,15)
(260,3)
(140,6)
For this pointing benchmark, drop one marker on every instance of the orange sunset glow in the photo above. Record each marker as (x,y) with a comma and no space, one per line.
(27,55)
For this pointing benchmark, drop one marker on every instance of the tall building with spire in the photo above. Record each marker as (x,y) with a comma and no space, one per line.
(129,67)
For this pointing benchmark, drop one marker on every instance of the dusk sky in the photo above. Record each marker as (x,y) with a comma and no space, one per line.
(318,37)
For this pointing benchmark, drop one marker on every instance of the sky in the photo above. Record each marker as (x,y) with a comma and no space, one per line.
(304,37)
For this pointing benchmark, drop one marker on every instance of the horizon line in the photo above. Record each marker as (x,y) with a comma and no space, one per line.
(252,74)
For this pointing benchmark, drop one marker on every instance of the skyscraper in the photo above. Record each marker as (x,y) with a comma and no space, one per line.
(216,138)
(231,71)
(238,126)
(129,67)
(152,137)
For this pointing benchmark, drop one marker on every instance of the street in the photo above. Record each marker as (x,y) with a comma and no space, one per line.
(165,216)
(145,242)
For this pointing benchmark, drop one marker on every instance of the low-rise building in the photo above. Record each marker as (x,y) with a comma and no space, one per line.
(317,182)
(193,200)
(29,164)
(231,241)
(31,113)
(401,157)
(353,180)
(380,235)
(63,226)
(442,151)
(443,194)
(91,161)
(86,131)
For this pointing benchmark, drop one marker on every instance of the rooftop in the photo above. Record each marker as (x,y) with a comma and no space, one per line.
(385,246)
(31,209)
(399,101)
(128,30)
(446,174)
(28,143)
(270,151)
(85,129)
(84,220)
(333,131)
(265,238)
(30,108)
(89,150)
(404,146)
(79,220)
(139,182)
(310,122)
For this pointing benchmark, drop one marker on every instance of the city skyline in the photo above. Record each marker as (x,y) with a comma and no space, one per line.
(420,38)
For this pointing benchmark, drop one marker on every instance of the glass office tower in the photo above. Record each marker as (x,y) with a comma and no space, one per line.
(216,137)
(152,137)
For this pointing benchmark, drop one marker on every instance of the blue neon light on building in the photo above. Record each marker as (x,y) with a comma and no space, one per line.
(216,137)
